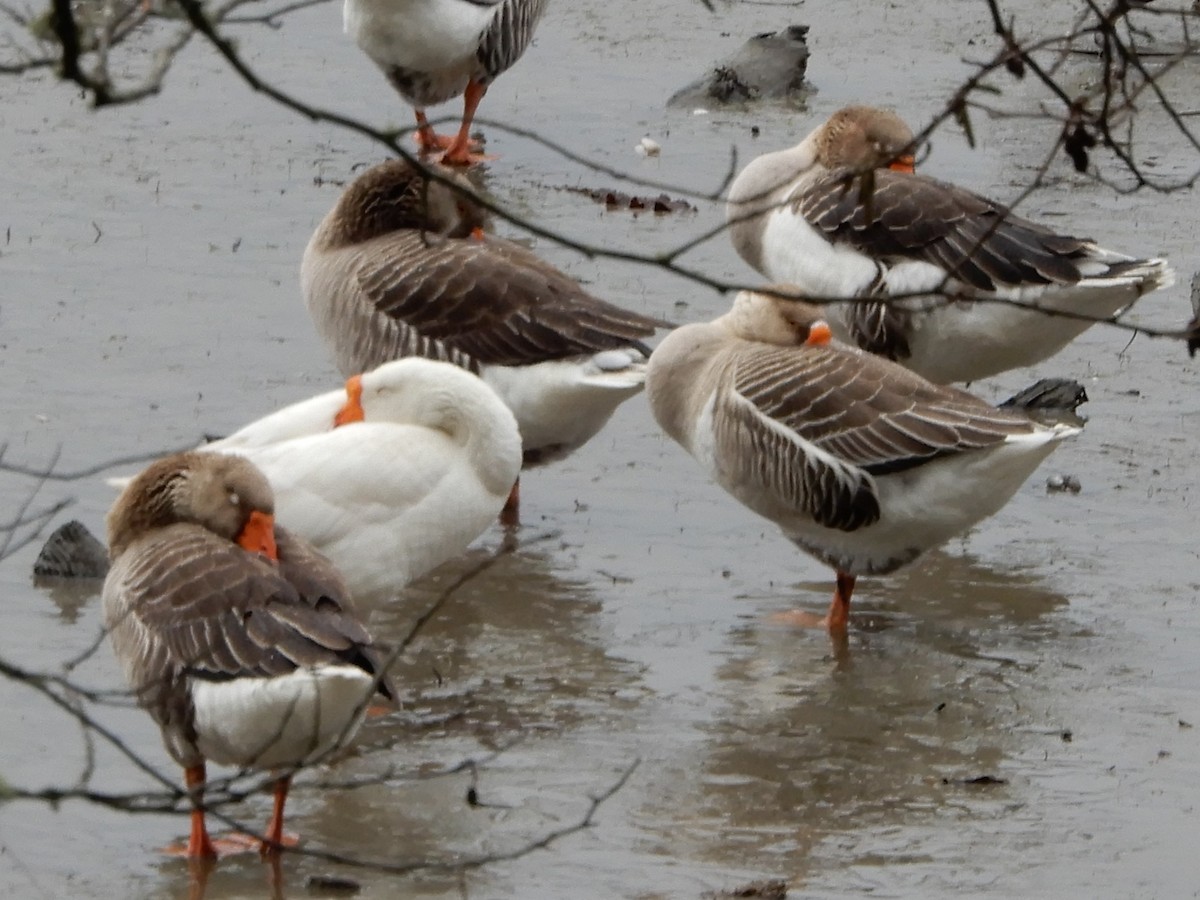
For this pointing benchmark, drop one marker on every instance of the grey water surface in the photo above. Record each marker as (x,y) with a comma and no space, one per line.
(1014,715)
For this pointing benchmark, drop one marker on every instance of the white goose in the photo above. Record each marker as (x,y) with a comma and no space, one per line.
(237,637)
(392,476)
(861,463)
(399,267)
(434,50)
(829,216)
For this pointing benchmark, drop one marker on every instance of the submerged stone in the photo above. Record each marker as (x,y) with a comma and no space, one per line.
(769,66)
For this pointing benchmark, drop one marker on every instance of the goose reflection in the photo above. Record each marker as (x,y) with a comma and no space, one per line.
(509,672)
(864,754)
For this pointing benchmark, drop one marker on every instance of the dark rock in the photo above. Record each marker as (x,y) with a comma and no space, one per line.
(72,552)
(770,889)
(769,66)
(332,886)
(1049,393)
(1193,343)
(1050,401)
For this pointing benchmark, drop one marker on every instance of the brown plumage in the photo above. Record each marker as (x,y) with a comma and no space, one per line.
(861,463)
(398,258)
(190,611)
(399,267)
(948,283)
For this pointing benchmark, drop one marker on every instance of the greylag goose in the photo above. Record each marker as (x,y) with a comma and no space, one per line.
(862,463)
(842,215)
(392,476)
(234,635)
(434,50)
(400,267)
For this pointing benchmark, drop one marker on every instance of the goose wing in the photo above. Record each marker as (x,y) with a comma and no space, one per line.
(490,299)
(508,34)
(867,413)
(894,216)
(181,601)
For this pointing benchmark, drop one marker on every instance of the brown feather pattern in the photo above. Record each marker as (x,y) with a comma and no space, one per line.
(866,414)
(508,35)
(912,217)
(490,301)
(183,603)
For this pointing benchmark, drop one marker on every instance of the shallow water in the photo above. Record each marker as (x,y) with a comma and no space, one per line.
(150,295)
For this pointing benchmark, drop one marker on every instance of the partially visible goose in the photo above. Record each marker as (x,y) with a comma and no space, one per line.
(236,636)
(400,267)
(434,50)
(392,476)
(831,217)
(860,462)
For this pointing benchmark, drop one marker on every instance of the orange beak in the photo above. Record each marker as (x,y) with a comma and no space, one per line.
(258,535)
(818,334)
(352,411)
(478,233)
(906,163)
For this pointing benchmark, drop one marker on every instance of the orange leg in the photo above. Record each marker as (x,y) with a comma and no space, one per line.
(429,140)
(275,841)
(510,515)
(459,152)
(836,621)
(199,845)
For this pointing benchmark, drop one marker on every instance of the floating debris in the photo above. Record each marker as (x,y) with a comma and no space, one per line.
(332,886)
(72,552)
(648,147)
(770,889)
(613,199)
(769,66)
(977,781)
(1063,484)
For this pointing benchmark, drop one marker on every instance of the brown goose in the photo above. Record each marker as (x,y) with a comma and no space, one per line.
(434,50)
(400,267)
(235,636)
(829,216)
(862,463)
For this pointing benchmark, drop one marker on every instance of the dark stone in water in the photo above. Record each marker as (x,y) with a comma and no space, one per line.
(769,889)
(72,552)
(769,66)
(1049,393)
(332,886)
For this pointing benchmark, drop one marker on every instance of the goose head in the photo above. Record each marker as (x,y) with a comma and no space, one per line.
(227,495)
(863,138)
(396,195)
(775,315)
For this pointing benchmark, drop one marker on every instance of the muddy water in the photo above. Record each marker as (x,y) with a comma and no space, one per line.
(150,295)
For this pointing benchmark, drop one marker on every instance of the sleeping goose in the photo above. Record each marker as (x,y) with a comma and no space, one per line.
(434,50)
(862,463)
(392,476)
(400,267)
(236,636)
(842,214)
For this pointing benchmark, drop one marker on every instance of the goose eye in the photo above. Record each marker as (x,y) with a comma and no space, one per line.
(234,499)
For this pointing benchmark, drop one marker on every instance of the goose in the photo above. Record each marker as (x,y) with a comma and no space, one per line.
(236,636)
(842,215)
(434,50)
(400,267)
(392,476)
(860,462)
